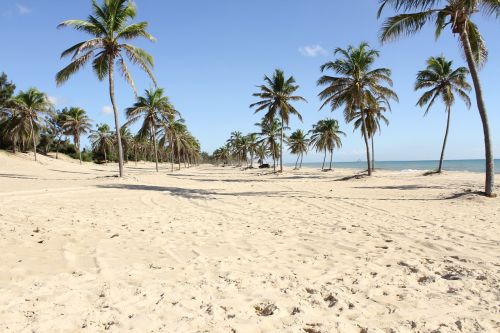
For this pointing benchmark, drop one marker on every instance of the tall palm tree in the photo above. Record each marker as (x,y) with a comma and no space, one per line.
(30,105)
(109,25)
(325,136)
(276,98)
(75,123)
(298,144)
(102,140)
(457,14)
(373,115)
(358,85)
(153,108)
(442,82)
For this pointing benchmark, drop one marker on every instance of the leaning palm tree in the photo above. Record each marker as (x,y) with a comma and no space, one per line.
(457,14)
(276,98)
(102,140)
(325,136)
(75,123)
(358,85)
(442,82)
(30,105)
(153,108)
(109,25)
(298,144)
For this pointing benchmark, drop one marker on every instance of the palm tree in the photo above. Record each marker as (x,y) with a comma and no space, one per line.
(298,144)
(75,123)
(270,130)
(373,115)
(252,144)
(29,105)
(153,107)
(276,98)
(109,25)
(234,142)
(325,136)
(443,83)
(102,140)
(173,129)
(457,14)
(261,152)
(358,86)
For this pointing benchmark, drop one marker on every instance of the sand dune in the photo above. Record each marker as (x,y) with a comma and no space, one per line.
(211,249)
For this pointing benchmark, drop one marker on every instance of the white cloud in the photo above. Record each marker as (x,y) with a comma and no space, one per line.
(22,9)
(107,110)
(57,101)
(313,50)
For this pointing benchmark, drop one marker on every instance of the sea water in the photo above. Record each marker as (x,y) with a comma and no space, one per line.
(448,165)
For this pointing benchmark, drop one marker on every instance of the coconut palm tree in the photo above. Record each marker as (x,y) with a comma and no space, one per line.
(172,131)
(30,105)
(153,108)
(111,29)
(276,98)
(325,136)
(235,143)
(374,116)
(298,144)
(270,131)
(441,81)
(357,86)
(75,123)
(102,140)
(457,15)
(252,144)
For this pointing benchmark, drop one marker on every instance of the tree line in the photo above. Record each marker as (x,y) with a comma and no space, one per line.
(29,121)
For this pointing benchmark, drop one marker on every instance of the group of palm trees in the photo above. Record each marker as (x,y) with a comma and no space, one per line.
(364,93)
(28,121)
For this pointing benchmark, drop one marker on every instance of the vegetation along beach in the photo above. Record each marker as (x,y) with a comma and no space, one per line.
(195,166)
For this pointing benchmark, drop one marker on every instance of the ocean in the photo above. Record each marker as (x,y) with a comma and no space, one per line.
(448,165)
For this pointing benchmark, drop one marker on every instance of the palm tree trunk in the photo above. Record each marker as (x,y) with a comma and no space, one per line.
(251,160)
(115,111)
(365,137)
(179,157)
(281,145)
(324,159)
(57,148)
(14,145)
(331,158)
(33,137)
(153,132)
(297,161)
(490,167)
(440,168)
(77,144)
(373,153)
(301,159)
(105,157)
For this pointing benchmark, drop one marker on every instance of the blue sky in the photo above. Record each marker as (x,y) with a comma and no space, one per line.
(210,55)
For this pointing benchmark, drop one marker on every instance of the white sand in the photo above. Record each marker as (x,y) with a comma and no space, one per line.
(199,250)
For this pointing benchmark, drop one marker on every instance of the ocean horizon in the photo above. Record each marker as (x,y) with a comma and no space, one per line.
(423,165)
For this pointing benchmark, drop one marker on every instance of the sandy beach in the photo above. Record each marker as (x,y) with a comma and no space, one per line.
(212,249)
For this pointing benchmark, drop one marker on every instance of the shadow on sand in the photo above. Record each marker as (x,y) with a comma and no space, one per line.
(197,193)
